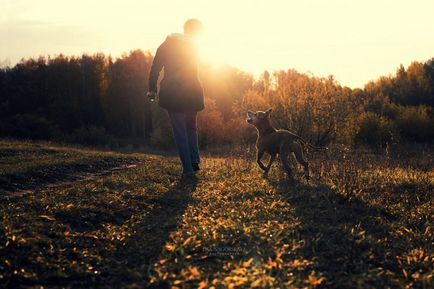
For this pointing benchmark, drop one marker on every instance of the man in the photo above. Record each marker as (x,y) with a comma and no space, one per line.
(181,93)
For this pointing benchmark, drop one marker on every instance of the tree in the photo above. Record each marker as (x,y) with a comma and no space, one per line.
(127,111)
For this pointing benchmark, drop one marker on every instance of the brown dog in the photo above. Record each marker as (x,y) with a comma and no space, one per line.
(273,142)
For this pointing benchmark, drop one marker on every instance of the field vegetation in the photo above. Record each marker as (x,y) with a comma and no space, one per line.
(365,220)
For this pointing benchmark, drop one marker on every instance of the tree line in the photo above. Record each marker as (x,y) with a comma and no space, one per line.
(98,100)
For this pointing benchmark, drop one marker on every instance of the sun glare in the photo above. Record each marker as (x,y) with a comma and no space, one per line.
(323,37)
(212,50)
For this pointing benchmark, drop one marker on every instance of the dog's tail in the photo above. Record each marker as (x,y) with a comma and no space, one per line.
(306,143)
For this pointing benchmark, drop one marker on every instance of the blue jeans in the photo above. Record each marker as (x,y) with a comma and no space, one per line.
(185,133)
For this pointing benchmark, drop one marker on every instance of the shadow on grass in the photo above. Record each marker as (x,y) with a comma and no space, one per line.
(119,263)
(347,240)
(90,219)
(132,260)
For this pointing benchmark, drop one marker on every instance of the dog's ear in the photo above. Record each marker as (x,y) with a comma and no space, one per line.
(269,110)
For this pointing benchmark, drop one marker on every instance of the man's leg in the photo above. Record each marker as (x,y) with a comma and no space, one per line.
(178,122)
(191,126)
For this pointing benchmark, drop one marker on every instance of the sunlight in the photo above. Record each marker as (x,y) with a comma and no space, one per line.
(324,38)
(212,49)
(220,45)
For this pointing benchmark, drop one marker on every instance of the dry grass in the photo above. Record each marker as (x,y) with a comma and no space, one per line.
(364,221)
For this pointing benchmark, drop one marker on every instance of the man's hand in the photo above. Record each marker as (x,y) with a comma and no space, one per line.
(152,95)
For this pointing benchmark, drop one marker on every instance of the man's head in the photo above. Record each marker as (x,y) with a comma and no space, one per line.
(192,27)
(258,117)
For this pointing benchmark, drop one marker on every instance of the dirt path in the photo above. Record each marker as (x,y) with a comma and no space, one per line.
(63,179)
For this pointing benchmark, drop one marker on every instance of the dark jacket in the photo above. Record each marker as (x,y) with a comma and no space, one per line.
(180,89)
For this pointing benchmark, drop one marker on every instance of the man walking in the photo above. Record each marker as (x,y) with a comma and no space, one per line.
(181,93)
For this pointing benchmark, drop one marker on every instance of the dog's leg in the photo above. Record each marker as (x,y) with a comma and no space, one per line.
(272,158)
(298,152)
(284,159)
(258,160)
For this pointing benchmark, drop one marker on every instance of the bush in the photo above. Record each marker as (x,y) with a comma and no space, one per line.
(161,136)
(375,131)
(210,125)
(239,132)
(416,123)
(28,126)
(91,135)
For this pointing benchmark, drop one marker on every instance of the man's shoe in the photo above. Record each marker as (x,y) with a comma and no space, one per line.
(195,167)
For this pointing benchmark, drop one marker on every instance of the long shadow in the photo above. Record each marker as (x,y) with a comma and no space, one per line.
(150,237)
(90,219)
(347,240)
(124,263)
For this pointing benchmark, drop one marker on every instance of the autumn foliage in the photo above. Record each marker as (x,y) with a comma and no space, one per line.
(98,100)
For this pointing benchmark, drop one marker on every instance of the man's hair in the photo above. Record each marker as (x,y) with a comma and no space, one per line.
(192,26)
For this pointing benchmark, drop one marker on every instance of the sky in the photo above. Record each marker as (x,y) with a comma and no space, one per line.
(355,41)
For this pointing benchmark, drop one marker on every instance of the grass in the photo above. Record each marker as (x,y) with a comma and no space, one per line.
(364,221)
(27,165)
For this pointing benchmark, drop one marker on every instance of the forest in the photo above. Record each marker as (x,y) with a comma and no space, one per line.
(99,100)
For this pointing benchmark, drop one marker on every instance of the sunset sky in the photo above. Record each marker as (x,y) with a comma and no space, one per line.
(356,41)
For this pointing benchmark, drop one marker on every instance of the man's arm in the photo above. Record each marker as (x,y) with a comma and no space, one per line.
(157,65)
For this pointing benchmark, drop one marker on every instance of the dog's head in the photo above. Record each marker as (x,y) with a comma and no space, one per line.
(256,118)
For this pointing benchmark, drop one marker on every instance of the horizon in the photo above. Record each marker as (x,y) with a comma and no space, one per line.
(278,35)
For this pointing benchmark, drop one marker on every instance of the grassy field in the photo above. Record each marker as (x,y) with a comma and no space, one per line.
(363,221)
(34,166)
